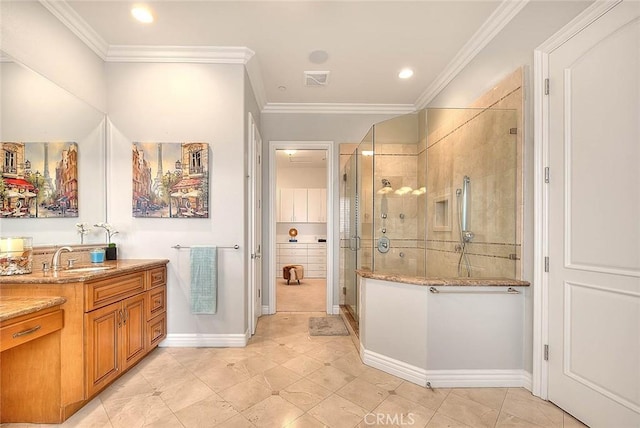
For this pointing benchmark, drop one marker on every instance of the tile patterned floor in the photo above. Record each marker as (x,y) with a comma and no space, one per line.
(285,378)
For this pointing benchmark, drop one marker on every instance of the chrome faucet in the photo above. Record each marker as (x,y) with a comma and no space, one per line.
(55,260)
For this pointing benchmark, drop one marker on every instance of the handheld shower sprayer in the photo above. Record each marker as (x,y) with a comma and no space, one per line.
(466,236)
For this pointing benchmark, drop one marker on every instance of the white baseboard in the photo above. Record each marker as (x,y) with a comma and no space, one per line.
(336,310)
(265,310)
(448,378)
(198,340)
(398,368)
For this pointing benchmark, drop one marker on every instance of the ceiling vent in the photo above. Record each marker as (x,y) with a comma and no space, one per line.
(316,78)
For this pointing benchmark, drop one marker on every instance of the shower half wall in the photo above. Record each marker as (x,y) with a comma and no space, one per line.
(407,177)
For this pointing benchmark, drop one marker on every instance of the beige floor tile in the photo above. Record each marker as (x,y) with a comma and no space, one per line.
(303,365)
(430,398)
(220,378)
(468,411)
(506,420)
(362,393)
(398,411)
(279,353)
(571,422)
(129,385)
(256,364)
(183,394)
(92,415)
(206,413)
(490,397)
(277,378)
(238,421)
(525,406)
(273,412)
(350,363)
(305,394)
(325,354)
(337,412)
(441,421)
(330,377)
(245,394)
(380,379)
(137,411)
(306,421)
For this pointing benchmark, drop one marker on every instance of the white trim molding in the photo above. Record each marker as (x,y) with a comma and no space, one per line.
(78,26)
(201,340)
(338,108)
(481,378)
(183,54)
(499,19)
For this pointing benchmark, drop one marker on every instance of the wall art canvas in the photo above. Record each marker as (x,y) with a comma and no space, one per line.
(170,180)
(39,180)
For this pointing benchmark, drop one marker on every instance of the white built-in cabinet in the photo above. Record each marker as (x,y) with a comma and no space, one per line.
(312,256)
(316,205)
(302,205)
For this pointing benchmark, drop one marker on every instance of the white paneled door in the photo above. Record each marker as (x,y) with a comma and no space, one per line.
(255,191)
(594,220)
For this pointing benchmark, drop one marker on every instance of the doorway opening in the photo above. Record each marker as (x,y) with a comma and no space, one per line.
(301,227)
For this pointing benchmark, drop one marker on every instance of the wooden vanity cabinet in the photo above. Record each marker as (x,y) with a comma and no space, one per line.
(122,324)
(115,340)
(111,322)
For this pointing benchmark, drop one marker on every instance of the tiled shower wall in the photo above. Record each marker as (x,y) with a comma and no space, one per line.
(484,145)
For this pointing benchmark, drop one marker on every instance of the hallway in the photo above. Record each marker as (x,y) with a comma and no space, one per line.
(284,377)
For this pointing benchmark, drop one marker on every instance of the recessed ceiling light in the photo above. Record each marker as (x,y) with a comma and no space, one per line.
(142,14)
(405,73)
(290,152)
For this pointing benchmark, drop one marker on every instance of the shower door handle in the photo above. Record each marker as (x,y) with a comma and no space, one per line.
(357,243)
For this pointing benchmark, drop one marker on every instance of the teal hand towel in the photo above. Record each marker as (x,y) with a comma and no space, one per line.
(204,280)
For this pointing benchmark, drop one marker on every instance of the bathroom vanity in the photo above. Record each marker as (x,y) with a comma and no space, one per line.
(105,320)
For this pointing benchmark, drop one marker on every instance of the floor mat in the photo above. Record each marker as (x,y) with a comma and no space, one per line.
(327,326)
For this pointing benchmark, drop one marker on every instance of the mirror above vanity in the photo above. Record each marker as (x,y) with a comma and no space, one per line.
(36,110)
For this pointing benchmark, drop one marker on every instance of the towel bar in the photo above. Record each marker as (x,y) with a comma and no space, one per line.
(509,290)
(178,246)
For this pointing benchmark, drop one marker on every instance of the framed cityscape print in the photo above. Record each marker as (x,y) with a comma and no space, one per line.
(170,180)
(39,180)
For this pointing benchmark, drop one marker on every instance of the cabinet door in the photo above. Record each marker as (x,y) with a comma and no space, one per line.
(134,325)
(103,331)
(300,205)
(286,205)
(317,205)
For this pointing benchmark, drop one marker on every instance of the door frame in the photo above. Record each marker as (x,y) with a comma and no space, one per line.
(255,285)
(332,234)
(540,375)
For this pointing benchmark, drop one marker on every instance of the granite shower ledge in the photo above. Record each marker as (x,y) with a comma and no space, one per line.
(12,307)
(115,267)
(443,282)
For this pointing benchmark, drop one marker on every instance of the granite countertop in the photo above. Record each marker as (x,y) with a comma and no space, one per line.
(437,281)
(12,307)
(77,274)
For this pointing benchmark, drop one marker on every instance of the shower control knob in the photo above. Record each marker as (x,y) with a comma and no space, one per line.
(467,236)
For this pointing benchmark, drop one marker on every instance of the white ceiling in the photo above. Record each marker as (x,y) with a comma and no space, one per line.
(367,42)
(301,159)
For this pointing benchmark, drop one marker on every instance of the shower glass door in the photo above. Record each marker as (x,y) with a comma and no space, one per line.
(357,218)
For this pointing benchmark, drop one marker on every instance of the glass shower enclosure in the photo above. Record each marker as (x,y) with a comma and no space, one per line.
(435,193)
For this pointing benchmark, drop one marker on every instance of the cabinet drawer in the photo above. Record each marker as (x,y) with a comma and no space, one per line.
(316,266)
(316,259)
(157,277)
(156,330)
(293,252)
(106,291)
(156,301)
(29,329)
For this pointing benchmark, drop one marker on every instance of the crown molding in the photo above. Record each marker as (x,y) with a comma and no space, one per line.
(500,17)
(77,25)
(185,54)
(338,108)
